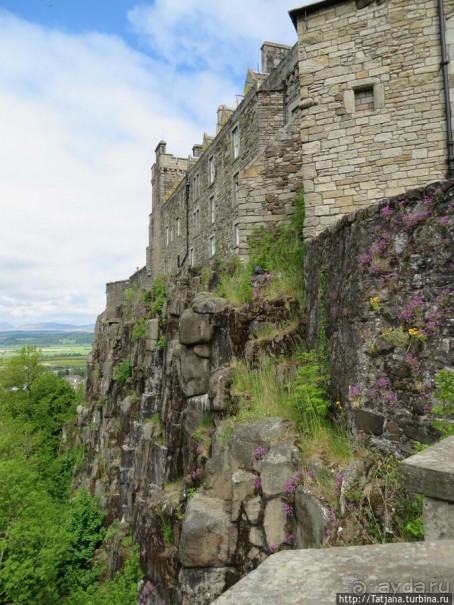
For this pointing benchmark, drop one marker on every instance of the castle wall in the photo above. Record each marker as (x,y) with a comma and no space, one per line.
(379,299)
(373,117)
(251,188)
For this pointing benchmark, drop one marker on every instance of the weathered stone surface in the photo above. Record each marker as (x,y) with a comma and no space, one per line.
(218,476)
(194,328)
(201,586)
(369,421)
(262,433)
(193,413)
(202,351)
(277,467)
(193,373)
(253,510)
(206,302)
(152,329)
(242,488)
(218,388)
(256,537)
(312,577)
(274,523)
(438,519)
(310,516)
(431,472)
(208,538)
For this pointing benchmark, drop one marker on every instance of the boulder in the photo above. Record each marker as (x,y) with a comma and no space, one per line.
(208,538)
(195,328)
(193,373)
(205,302)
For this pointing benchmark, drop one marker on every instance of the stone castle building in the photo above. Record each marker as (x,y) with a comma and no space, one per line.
(358,110)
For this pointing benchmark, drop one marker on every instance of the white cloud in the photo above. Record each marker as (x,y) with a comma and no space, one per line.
(200,34)
(80,116)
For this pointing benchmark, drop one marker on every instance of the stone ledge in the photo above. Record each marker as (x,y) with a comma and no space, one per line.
(431,472)
(306,577)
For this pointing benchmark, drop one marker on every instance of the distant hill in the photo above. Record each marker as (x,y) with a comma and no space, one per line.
(47,327)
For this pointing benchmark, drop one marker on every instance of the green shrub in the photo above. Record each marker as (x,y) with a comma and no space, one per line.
(280,252)
(445,406)
(138,331)
(308,391)
(159,294)
(123,371)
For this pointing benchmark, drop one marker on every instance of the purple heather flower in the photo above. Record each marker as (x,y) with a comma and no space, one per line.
(443,220)
(143,552)
(354,391)
(289,538)
(382,382)
(258,482)
(288,509)
(351,506)
(259,452)
(386,211)
(200,448)
(340,479)
(273,548)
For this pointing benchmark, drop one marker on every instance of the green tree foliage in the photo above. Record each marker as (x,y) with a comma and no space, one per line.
(47,543)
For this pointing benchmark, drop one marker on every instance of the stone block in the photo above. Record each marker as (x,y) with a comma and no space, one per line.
(253,510)
(316,576)
(369,422)
(311,520)
(208,538)
(152,329)
(274,522)
(218,389)
(242,488)
(438,519)
(195,328)
(193,373)
(205,302)
(431,472)
(201,586)
(277,467)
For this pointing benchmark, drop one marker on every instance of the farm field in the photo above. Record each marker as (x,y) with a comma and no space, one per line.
(61,351)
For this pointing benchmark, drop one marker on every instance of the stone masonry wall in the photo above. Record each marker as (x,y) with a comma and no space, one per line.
(258,183)
(373,120)
(379,296)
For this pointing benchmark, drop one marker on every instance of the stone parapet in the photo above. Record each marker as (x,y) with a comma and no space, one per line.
(313,577)
(431,472)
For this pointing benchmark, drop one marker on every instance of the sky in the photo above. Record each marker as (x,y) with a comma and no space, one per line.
(87,90)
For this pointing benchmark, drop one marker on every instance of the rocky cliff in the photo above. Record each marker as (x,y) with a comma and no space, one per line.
(207,498)
(156,427)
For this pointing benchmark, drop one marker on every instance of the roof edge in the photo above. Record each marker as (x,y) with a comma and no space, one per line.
(310,8)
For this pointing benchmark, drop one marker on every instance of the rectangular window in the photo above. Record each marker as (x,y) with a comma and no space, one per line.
(196,220)
(211,170)
(236,188)
(212,209)
(191,257)
(364,99)
(167,236)
(236,142)
(178,261)
(212,246)
(171,234)
(236,234)
(178,226)
(196,186)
